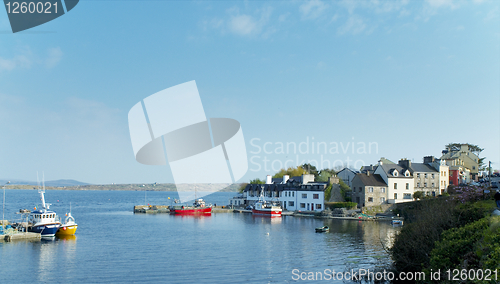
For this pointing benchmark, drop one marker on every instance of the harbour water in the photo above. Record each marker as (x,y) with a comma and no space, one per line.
(114,245)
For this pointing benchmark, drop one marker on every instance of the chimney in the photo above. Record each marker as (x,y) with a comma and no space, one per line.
(333,180)
(269,179)
(405,163)
(380,161)
(429,159)
(285,178)
(368,173)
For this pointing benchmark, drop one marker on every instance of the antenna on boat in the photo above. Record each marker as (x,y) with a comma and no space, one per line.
(42,190)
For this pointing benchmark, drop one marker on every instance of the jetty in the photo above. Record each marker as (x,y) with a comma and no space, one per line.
(353,214)
(20,236)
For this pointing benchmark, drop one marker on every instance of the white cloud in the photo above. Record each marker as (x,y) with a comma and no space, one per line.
(312,9)
(283,17)
(244,24)
(55,55)
(18,61)
(441,3)
(354,25)
(26,59)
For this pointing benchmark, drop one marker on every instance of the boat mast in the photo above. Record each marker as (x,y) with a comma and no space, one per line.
(42,190)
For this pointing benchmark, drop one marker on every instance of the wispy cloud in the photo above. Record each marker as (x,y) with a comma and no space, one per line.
(312,9)
(441,3)
(26,59)
(354,25)
(18,61)
(245,24)
(55,55)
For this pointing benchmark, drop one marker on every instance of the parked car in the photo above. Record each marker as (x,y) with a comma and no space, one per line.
(494,184)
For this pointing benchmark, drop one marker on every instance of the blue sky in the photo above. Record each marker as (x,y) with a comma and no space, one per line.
(406,76)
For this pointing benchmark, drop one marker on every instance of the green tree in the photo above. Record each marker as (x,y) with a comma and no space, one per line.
(257,181)
(311,170)
(324,174)
(418,195)
(292,172)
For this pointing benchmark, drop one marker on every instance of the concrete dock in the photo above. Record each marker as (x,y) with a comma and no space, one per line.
(20,236)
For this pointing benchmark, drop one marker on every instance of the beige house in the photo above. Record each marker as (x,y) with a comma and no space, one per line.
(369,190)
(462,157)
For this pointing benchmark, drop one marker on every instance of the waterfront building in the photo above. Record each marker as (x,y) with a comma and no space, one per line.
(346,175)
(465,157)
(369,189)
(300,193)
(399,180)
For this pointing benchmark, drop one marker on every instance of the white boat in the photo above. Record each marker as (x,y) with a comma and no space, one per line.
(264,208)
(43,220)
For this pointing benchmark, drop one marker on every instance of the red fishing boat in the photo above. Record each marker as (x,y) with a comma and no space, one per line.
(198,208)
(264,208)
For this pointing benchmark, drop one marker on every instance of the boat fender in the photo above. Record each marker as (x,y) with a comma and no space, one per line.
(64,228)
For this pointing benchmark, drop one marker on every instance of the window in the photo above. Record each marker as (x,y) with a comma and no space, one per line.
(425,184)
(382,189)
(425,175)
(382,199)
(432,175)
(318,206)
(407,186)
(418,175)
(304,195)
(395,196)
(370,189)
(315,196)
(432,184)
(291,203)
(370,199)
(293,193)
(418,184)
(302,205)
(395,186)
(407,196)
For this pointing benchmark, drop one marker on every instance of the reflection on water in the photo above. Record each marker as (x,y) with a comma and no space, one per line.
(114,245)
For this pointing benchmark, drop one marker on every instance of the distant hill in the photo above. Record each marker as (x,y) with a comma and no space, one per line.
(54,183)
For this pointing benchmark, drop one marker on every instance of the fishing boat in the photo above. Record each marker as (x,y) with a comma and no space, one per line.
(323,229)
(264,208)
(43,220)
(68,228)
(199,208)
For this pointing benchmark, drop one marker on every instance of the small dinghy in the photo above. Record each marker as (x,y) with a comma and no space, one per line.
(323,229)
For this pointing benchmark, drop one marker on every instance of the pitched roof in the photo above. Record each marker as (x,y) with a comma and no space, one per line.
(420,167)
(371,180)
(347,169)
(388,169)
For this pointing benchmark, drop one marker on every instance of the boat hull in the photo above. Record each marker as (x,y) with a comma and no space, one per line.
(46,230)
(192,211)
(69,230)
(269,213)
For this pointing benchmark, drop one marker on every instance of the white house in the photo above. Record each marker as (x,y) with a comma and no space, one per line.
(297,193)
(399,180)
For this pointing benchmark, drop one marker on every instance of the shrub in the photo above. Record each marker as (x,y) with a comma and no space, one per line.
(456,247)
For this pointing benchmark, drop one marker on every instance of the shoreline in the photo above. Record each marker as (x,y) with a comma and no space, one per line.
(167,187)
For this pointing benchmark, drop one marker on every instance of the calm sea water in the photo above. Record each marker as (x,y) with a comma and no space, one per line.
(114,245)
